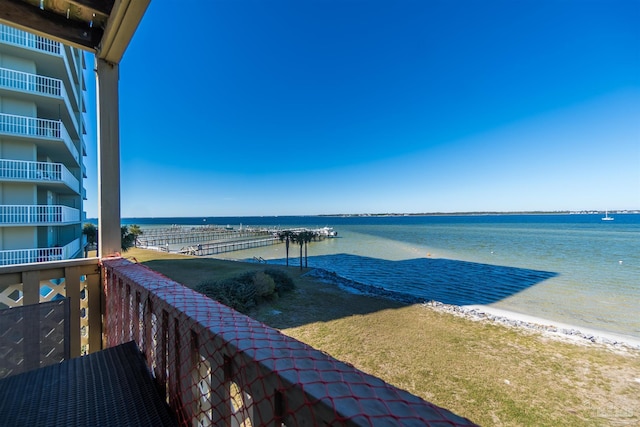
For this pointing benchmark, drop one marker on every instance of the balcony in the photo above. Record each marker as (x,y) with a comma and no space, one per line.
(51,136)
(49,55)
(46,92)
(31,83)
(211,364)
(30,41)
(38,215)
(55,175)
(28,256)
(73,64)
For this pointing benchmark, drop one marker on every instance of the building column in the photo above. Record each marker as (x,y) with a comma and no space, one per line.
(107,75)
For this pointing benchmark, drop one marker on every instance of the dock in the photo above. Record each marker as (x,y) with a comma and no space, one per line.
(212,240)
(196,234)
(229,246)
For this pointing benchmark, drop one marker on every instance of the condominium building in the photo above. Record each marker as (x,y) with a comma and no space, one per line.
(42,148)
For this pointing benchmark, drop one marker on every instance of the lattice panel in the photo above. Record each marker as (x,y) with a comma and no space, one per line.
(11,296)
(84,316)
(50,291)
(32,336)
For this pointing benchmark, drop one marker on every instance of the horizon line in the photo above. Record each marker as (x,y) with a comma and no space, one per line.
(461,213)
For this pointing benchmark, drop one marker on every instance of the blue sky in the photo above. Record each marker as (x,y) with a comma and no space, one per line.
(277,107)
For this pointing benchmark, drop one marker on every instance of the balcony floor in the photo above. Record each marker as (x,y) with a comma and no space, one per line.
(109,387)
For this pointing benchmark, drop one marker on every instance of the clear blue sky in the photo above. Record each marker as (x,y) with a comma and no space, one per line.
(275,107)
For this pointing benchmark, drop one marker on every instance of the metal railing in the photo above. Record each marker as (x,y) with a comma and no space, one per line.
(11,124)
(38,215)
(39,85)
(34,83)
(28,256)
(21,38)
(22,170)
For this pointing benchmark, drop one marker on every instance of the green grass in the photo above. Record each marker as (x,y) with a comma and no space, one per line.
(489,373)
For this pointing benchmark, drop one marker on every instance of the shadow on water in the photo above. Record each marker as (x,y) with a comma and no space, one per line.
(448,281)
(404,282)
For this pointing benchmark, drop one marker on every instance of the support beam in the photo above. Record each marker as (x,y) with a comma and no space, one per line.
(50,24)
(107,75)
(102,7)
(122,24)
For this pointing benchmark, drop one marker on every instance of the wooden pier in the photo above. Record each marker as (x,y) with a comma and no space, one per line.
(212,240)
(180,235)
(213,248)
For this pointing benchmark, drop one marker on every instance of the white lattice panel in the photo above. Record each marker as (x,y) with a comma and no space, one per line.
(52,290)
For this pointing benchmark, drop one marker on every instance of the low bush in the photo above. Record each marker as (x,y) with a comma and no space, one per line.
(265,285)
(231,292)
(249,289)
(283,282)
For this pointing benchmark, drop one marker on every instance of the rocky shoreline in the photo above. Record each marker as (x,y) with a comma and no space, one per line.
(567,333)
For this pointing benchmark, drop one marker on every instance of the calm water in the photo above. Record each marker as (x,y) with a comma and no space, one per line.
(574,269)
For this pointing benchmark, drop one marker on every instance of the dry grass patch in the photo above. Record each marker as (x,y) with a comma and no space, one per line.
(488,373)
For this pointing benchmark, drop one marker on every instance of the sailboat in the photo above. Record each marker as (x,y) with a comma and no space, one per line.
(606,217)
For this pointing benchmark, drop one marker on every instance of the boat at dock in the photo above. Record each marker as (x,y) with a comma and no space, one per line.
(327,232)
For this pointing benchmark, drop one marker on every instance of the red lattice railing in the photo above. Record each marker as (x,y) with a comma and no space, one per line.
(216,366)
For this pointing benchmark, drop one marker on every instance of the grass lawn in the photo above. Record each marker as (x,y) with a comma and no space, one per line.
(491,374)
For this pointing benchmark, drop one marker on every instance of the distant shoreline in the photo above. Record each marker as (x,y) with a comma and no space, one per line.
(132,219)
(486,213)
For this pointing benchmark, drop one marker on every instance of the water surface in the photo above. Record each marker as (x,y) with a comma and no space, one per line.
(574,269)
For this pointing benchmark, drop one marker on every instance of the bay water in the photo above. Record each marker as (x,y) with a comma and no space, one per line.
(575,269)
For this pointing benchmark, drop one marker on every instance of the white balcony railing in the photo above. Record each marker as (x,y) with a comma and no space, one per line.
(11,124)
(28,256)
(12,36)
(38,85)
(38,215)
(21,170)
(21,38)
(33,83)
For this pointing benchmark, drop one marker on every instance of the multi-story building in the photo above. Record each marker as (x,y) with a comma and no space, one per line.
(41,148)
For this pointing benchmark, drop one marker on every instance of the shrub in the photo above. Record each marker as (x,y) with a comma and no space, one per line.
(264,285)
(283,283)
(245,291)
(231,292)
(246,277)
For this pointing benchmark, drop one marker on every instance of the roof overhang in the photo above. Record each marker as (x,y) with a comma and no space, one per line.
(104,27)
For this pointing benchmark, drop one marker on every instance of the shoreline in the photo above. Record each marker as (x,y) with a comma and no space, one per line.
(547,328)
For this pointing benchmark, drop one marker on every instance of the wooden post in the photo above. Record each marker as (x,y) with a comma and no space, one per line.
(95,299)
(107,75)
(72,280)
(31,324)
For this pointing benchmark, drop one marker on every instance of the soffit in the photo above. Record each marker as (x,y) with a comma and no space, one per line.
(103,27)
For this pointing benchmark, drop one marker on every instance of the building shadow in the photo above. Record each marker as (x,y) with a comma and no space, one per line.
(425,279)
(399,283)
